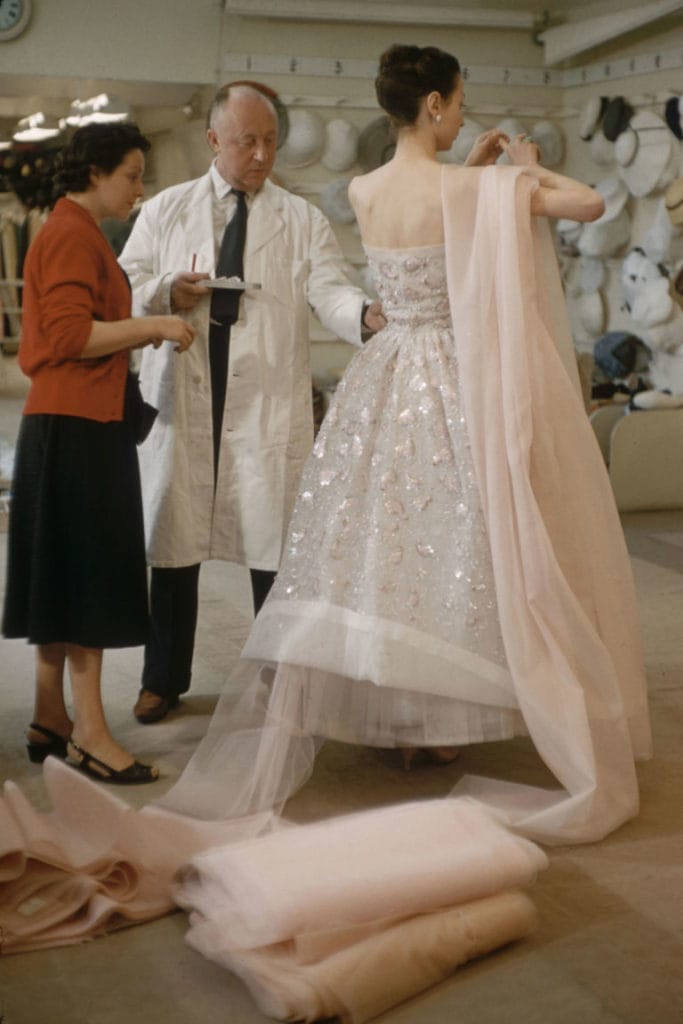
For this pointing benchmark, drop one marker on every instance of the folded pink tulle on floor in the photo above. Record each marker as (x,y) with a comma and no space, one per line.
(92,864)
(370,976)
(344,917)
(390,862)
(350,916)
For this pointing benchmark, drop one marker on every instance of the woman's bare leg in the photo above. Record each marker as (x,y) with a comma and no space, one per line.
(49,707)
(90,730)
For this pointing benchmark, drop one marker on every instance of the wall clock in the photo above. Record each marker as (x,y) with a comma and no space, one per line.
(14,17)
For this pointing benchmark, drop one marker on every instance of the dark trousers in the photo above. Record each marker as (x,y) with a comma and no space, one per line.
(173,598)
(167,668)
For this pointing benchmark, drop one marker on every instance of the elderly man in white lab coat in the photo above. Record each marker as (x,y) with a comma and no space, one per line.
(222,463)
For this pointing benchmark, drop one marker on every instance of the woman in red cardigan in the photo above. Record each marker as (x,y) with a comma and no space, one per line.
(76,576)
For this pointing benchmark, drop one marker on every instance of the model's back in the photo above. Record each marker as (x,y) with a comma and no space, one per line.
(398,206)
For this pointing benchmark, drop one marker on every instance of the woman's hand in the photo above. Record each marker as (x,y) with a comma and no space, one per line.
(111,336)
(522,151)
(487,148)
(169,328)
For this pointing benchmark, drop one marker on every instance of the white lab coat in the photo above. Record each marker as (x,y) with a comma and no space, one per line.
(267,426)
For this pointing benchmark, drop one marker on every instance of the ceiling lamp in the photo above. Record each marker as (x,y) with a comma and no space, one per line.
(36,128)
(98,109)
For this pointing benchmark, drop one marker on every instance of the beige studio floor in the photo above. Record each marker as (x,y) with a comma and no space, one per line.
(609,947)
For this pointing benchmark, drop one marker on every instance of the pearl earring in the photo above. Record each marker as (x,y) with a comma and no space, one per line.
(437,119)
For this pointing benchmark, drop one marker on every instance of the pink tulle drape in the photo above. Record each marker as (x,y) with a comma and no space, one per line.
(563,581)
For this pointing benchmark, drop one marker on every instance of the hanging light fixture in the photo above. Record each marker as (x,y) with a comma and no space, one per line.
(109,108)
(98,109)
(77,111)
(36,128)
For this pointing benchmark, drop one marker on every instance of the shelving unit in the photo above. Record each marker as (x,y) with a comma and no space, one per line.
(9,344)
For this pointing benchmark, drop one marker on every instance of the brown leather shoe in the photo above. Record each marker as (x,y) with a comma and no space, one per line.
(150,707)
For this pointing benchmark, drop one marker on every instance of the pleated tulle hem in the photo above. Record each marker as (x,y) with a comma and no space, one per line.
(358,711)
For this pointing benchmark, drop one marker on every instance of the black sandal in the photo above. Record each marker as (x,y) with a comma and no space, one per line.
(135,774)
(38,751)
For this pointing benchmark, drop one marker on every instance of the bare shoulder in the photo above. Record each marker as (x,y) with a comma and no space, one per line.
(457,172)
(363,185)
(457,180)
(355,187)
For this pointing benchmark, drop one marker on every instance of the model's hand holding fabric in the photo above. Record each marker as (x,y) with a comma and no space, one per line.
(487,148)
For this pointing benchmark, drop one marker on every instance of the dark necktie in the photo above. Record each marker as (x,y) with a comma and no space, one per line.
(225,303)
(224,310)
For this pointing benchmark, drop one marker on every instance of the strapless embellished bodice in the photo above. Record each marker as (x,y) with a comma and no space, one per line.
(411,284)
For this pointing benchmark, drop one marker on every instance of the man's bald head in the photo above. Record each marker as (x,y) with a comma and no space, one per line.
(242,132)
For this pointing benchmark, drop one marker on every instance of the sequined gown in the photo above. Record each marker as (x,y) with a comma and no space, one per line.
(385,600)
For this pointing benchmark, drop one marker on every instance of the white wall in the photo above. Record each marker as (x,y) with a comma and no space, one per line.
(145,40)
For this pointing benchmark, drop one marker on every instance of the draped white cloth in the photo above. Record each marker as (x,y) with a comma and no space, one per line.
(565,592)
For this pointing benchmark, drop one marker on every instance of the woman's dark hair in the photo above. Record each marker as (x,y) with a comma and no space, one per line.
(407,73)
(103,146)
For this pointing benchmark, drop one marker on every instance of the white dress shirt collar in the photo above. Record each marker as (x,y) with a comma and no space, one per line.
(221,187)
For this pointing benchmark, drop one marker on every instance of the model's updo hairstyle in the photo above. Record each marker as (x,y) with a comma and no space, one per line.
(407,73)
(103,146)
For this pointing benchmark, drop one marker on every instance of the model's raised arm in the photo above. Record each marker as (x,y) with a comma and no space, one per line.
(558,196)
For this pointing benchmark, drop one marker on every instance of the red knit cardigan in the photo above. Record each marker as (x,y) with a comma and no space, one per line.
(71,278)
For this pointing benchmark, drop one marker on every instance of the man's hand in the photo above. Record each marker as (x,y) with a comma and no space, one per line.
(374,319)
(187,290)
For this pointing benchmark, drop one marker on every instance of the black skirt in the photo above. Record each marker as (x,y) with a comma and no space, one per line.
(76,569)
